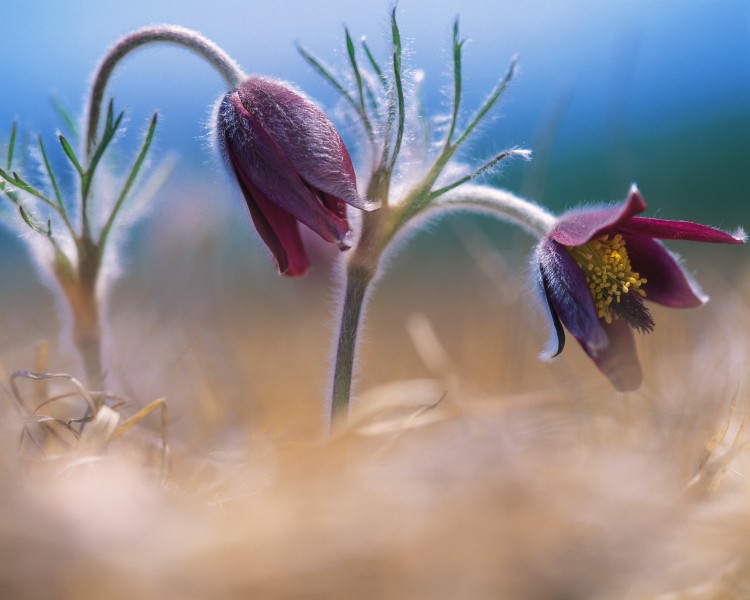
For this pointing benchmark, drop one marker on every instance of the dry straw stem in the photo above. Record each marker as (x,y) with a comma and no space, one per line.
(56,427)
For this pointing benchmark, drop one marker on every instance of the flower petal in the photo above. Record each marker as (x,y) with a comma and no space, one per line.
(666,281)
(619,361)
(262,162)
(578,226)
(278,229)
(557,333)
(570,298)
(309,139)
(664,229)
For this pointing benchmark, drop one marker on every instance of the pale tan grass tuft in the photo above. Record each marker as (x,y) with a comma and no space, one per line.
(469,469)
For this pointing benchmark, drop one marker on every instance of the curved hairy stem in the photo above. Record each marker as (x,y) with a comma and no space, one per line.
(171,34)
(379,231)
(501,204)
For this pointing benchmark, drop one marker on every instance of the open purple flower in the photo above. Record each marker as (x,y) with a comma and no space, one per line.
(292,166)
(595,268)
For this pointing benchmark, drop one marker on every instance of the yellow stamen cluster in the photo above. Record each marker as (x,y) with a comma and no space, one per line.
(605,263)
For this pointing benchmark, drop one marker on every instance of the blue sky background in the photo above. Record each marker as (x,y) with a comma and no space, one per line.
(660,61)
(656,91)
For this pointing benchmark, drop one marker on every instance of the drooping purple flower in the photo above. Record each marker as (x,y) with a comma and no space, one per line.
(292,167)
(595,268)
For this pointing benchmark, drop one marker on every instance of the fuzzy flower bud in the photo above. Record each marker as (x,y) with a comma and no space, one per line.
(291,165)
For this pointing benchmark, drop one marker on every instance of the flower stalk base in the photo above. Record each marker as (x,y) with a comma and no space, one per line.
(357,282)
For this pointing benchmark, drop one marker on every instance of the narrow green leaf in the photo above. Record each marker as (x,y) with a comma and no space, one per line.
(65,116)
(375,66)
(110,130)
(371,97)
(28,219)
(12,196)
(326,74)
(129,182)
(71,155)
(11,144)
(373,102)
(457,46)
(395,33)
(50,174)
(355,69)
(16,180)
(5,176)
(58,197)
(481,170)
(490,102)
(110,115)
(397,51)
(12,178)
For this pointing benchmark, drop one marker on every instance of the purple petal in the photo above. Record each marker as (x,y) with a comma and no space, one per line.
(667,282)
(581,225)
(279,230)
(680,230)
(619,361)
(261,162)
(557,333)
(566,289)
(309,140)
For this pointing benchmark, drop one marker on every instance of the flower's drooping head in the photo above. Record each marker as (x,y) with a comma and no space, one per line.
(596,267)
(292,166)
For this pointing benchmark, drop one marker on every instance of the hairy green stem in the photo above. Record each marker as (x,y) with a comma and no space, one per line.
(172,34)
(80,287)
(357,281)
(500,204)
(379,230)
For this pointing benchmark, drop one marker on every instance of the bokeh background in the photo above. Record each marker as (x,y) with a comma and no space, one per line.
(482,474)
(609,93)
(654,91)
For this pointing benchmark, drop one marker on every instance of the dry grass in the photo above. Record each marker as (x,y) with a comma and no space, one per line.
(470,469)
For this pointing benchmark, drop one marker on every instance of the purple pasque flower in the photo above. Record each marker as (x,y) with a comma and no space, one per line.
(596,267)
(292,167)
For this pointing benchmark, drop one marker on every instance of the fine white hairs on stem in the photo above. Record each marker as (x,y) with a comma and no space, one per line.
(499,203)
(171,34)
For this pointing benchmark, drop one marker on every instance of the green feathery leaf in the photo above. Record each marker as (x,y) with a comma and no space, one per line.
(29,220)
(11,145)
(65,116)
(18,182)
(397,52)
(481,170)
(110,129)
(375,66)
(457,46)
(58,197)
(71,155)
(50,174)
(355,69)
(338,86)
(129,181)
(490,102)
(326,74)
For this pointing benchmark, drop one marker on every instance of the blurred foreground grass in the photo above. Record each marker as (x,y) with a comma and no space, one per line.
(470,470)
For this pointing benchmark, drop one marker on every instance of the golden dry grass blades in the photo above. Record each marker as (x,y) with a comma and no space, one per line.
(469,469)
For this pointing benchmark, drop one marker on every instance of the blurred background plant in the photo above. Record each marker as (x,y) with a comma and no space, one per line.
(66,237)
